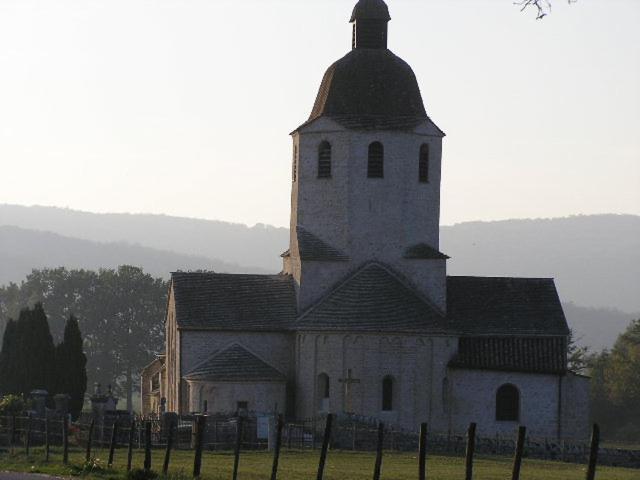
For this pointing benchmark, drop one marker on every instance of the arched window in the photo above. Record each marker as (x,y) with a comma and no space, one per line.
(508,403)
(423,164)
(294,172)
(387,394)
(324,391)
(324,160)
(375,167)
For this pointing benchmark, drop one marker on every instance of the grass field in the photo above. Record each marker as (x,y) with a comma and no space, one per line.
(299,465)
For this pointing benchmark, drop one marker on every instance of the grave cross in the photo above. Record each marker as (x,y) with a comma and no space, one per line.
(348,381)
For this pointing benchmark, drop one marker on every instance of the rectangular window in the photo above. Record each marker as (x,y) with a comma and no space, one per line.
(294,174)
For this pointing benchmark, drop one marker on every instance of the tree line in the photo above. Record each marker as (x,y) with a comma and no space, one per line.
(120,313)
(29,359)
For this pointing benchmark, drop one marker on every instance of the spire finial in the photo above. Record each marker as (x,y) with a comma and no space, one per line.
(370,18)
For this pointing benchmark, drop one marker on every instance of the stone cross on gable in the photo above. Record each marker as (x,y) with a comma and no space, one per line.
(347,382)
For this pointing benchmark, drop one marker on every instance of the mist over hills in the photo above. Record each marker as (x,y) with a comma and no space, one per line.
(23,250)
(595,259)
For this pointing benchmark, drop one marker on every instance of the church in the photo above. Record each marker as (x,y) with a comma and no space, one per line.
(363,318)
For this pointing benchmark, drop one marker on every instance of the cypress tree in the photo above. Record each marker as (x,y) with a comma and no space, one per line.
(38,351)
(71,364)
(8,353)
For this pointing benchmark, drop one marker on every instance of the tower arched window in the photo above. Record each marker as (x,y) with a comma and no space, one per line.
(387,393)
(375,168)
(423,164)
(324,160)
(294,172)
(508,403)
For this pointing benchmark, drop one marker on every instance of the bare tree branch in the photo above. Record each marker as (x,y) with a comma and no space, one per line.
(543,7)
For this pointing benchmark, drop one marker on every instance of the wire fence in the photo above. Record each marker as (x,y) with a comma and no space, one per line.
(197,433)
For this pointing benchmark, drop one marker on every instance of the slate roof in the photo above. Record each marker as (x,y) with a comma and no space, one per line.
(422,251)
(370,10)
(235,364)
(521,354)
(234,302)
(505,306)
(373,299)
(313,248)
(370,89)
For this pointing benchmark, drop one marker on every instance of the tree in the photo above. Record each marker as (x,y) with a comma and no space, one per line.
(577,356)
(120,313)
(8,370)
(71,366)
(28,353)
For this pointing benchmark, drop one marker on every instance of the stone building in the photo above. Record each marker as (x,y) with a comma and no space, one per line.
(363,318)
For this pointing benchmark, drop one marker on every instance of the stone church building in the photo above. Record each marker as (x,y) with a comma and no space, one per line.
(363,318)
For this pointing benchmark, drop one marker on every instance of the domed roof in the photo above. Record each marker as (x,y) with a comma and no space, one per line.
(370,88)
(370,10)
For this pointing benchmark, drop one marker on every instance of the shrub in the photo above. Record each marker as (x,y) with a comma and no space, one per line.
(12,405)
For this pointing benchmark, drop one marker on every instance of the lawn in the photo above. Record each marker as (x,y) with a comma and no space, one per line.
(299,465)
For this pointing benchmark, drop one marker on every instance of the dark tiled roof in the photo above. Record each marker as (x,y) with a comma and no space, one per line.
(504,306)
(234,302)
(370,88)
(373,299)
(235,364)
(313,248)
(422,251)
(370,10)
(521,354)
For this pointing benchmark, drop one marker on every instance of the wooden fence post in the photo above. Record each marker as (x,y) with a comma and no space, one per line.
(65,439)
(471,447)
(236,453)
(147,445)
(325,446)
(167,454)
(422,453)
(593,453)
(12,440)
(27,439)
(517,460)
(47,440)
(378,466)
(197,460)
(89,441)
(132,431)
(276,451)
(114,441)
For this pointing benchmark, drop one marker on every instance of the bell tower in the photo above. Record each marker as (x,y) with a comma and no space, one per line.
(366,173)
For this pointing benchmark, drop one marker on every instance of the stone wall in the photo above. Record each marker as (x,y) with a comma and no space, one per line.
(367,219)
(263,397)
(473,399)
(416,364)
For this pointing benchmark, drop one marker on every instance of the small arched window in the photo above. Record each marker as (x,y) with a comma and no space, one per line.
(324,386)
(508,403)
(324,160)
(423,164)
(375,167)
(387,394)
(294,172)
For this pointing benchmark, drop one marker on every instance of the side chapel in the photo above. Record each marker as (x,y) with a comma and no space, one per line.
(363,318)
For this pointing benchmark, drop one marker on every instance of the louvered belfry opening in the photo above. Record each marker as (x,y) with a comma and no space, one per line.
(370,34)
(423,164)
(375,167)
(324,160)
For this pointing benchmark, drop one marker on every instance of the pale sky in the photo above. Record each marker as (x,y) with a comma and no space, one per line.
(184,107)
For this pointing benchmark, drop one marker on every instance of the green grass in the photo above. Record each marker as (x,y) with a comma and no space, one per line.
(299,465)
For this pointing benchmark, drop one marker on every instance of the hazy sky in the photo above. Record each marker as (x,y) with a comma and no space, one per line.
(184,107)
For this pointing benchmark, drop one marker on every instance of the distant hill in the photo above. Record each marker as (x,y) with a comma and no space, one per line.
(23,250)
(597,327)
(595,259)
(258,246)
